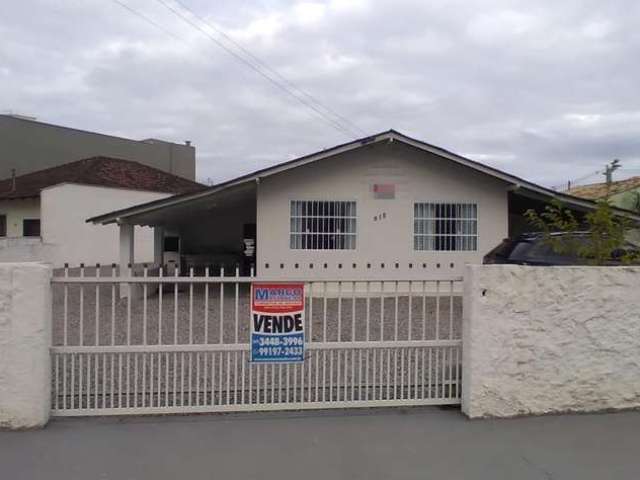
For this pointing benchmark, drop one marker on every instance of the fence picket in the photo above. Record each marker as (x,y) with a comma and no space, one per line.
(136,369)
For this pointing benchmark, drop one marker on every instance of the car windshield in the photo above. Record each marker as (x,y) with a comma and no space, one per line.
(540,251)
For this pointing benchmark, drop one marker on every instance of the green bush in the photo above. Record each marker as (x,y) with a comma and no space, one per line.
(604,232)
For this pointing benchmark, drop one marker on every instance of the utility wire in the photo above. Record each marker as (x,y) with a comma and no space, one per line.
(150,21)
(584,177)
(342,129)
(338,125)
(574,182)
(270,69)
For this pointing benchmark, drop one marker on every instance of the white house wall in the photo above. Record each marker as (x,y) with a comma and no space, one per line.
(65,209)
(417,176)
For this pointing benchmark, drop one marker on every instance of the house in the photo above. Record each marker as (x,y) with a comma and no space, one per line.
(386,206)
(27,145)
(42,214)
(623,193)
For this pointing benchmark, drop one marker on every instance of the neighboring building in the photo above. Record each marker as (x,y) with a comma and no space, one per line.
(43,213)
(386,206)
(27,145)
(623,193)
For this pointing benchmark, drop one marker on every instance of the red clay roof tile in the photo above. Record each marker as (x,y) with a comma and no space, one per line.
(99,171)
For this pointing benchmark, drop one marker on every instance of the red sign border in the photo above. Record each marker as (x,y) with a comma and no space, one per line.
(297,307)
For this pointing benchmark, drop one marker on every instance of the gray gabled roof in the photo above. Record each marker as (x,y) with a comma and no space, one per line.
(519,184)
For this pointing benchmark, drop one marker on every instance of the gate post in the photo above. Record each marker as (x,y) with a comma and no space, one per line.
(25,339)
(473,341)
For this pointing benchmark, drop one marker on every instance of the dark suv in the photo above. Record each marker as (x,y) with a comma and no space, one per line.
(531,249)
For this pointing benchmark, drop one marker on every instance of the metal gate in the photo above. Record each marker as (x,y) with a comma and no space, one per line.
(180,344)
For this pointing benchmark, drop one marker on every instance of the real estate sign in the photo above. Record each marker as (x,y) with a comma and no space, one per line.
(277,322)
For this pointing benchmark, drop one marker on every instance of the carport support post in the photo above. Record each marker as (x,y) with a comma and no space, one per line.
(126,256)
(158,245)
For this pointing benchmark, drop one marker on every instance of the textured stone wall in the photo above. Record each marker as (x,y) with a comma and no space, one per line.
(25,338)
(550,339)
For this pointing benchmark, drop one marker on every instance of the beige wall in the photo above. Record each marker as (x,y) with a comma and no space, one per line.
(28,146)
(25,340)
(18,210)
(65,209)
(418,177)
(550,339)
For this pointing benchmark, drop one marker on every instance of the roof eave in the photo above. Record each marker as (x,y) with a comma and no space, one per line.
(389,135)
(119,216)
(21,197)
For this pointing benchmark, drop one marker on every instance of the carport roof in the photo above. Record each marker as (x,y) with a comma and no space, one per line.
(519,185)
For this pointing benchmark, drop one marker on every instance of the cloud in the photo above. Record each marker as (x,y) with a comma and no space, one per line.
(547,91)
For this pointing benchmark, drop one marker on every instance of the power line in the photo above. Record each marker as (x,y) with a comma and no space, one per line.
(575,181)
(342,129)
(338,125)
(269,69)
(150,21)
(584,177)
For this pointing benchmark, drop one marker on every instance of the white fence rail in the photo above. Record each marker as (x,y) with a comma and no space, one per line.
(181,344)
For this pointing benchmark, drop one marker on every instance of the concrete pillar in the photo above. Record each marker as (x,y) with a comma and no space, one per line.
(468,312)
(25,339)
(126,255)
(158,245)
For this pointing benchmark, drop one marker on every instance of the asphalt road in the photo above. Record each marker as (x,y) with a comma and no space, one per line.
(419,443)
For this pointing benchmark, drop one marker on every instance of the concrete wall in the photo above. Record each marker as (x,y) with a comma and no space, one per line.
(65,209)
(25,338)
(550,339)
(18,210)
(417,176)
(25,249)
(29,145)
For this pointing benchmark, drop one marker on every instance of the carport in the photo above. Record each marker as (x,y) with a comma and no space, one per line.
(215,229)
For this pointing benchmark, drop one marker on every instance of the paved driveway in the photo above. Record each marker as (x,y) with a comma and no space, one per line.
(420,443)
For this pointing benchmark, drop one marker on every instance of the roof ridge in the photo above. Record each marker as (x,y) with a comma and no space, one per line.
(517,182)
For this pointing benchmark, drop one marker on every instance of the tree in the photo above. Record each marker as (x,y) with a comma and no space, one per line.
(604,232)
(636,201)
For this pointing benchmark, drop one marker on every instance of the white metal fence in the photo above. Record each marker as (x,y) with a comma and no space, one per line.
(181,344)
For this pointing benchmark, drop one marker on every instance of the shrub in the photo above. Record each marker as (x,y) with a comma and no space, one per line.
(604,232)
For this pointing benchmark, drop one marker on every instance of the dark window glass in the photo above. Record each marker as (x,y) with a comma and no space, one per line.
(249,230)
(171,244)
(445,226)
(3,225)
(31,227)
(541,252)
(323,225)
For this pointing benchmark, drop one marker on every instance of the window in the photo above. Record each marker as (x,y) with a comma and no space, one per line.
(3,225)
(31,227)
(323,225)
(445,226)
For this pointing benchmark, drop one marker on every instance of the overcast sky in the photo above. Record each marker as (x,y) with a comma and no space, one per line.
(545,90)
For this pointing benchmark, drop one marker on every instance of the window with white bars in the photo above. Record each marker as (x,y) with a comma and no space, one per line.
(323,225)
(445,226)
